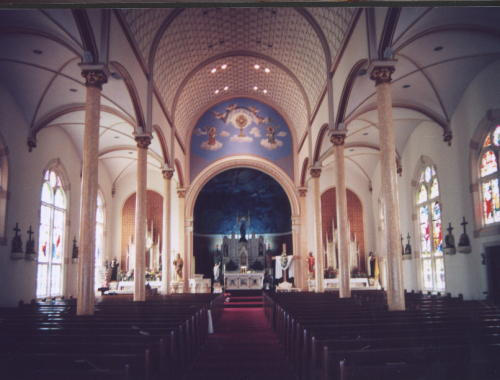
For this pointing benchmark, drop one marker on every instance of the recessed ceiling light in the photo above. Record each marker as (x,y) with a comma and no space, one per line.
(255,88)
(267,71)
(73,89)
(438,48)
(365,133)
(213,71)
(226,88)
(216,92)
(406,85)
(256,66)
(224,67)
(37,51)
(264,91)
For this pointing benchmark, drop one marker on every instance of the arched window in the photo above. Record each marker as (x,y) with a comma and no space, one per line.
(99,241)
(51,236)
(488,177)
(430,229)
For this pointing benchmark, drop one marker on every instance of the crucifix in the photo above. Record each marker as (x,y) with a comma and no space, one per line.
(450,228)
(30,232)
(17,229)
(464,223)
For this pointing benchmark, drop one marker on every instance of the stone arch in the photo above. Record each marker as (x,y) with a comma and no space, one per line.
(319,141)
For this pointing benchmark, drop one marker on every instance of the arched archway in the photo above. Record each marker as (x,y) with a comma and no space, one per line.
(242,217)
(243,161)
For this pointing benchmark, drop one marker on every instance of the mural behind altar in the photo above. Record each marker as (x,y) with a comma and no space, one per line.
(242,217)
(241,126)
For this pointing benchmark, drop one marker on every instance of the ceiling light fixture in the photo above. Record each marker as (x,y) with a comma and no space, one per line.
(255,88)
(226,88)
(256,66)
(224,66)
(264,91)
(216,92)
(365,133)
(406,85)
(213,71)
(266,70)
(73,89)
(117,137)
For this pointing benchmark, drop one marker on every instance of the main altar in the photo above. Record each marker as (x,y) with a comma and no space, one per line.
(243,281)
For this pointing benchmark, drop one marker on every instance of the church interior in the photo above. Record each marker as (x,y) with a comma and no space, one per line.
(250,192)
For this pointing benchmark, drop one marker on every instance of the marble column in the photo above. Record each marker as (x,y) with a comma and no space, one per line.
(303,239)
(318,255)
(166,260)
(188,255)
(337,140)
(94,79)
(381,74)
(143,142)
(181,193)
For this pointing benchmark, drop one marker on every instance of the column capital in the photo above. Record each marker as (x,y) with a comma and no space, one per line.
(302,191)
(181,192)
(315,171)
(168,173)
(143,141)
(95,75)
(337,137)
(381,71)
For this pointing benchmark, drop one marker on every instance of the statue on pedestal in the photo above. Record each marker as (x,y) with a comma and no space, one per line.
(216,271)
(30,246)
(449,242)
(179,264)
(310,265)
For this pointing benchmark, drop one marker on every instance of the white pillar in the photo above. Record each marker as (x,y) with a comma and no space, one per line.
(143,142)
(319,257)
(381,74)
(94,79)
(303,239)
(181,193)
(166,266)
(298,265)
(337,138)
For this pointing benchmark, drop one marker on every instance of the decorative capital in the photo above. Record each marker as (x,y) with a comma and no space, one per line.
(181,192)
(399,168)
(143,141)
(447,136)
(337,138)
(31,143)
(315,172)
(302,191)
(382,74)
(94,78)
(167,173)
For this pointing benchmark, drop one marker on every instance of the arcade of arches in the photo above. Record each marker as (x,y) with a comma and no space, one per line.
(379,129)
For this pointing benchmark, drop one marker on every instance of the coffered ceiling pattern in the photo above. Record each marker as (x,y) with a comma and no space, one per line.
(241,78)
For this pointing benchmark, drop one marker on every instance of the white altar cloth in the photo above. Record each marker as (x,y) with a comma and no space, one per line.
(279,272)
(237,281)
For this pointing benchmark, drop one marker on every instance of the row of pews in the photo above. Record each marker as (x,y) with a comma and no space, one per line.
(156,339)
(357,338)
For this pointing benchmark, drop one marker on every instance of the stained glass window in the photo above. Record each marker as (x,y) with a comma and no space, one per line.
(51,236)
(489,177)
(430,229)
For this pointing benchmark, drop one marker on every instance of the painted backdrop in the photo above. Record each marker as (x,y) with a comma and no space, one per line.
(241,126)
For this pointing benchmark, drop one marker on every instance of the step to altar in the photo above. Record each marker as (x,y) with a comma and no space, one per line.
(243,298)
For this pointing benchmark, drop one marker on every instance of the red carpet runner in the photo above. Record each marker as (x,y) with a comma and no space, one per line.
(243,347)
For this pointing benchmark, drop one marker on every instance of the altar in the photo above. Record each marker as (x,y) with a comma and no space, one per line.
(243,281)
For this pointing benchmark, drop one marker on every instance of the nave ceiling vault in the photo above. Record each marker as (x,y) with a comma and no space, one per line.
(438,52)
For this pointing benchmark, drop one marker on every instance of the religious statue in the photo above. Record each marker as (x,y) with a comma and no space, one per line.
(310,265)
(114,269)
(408,246)
(74,252)
(261,246)
(216,271)
(371,263)
(271,132)
(212,131)
(449,242)
(179,264)
(243,230)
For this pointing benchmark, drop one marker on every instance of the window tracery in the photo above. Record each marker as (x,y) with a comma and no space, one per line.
(488,177)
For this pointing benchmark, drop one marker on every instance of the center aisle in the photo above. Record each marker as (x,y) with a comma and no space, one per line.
(243,347)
